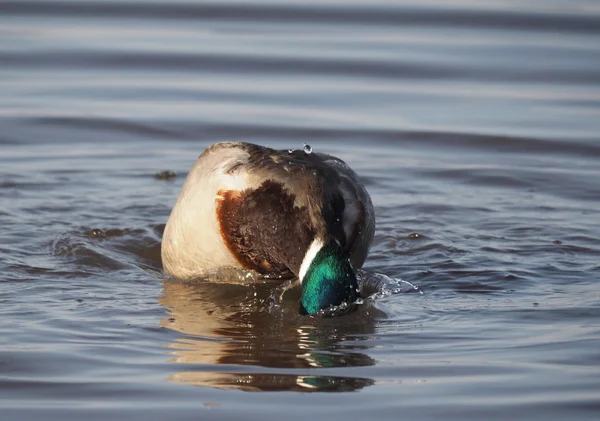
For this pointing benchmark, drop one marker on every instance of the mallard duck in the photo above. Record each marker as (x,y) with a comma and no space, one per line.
(278,212)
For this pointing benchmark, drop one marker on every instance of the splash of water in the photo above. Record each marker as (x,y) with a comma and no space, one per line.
(372,286)
(375,285)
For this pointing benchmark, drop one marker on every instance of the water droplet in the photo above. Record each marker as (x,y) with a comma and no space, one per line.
(307,148)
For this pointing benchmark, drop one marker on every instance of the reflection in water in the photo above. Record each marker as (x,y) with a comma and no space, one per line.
(233,340)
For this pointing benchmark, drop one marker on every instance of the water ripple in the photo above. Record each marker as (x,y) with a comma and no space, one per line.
(524,20)
(475,129)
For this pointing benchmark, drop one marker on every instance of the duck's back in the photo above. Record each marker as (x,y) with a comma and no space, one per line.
(254,207)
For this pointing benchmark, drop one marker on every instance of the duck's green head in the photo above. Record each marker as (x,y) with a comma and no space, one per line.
(329,279)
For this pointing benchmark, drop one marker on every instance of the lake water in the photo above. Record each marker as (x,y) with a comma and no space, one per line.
(476,129)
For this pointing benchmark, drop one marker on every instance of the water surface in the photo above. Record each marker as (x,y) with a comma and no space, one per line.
(473,124)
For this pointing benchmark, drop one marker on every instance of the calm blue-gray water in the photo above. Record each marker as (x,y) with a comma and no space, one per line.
(474,125)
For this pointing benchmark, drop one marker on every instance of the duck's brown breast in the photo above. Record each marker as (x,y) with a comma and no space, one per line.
(264,229)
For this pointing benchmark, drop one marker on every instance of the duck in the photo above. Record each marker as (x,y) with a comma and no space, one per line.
(282,213)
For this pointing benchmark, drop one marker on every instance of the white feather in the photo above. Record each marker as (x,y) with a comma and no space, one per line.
(310,255)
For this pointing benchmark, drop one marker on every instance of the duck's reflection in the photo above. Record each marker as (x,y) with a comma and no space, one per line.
(233,340)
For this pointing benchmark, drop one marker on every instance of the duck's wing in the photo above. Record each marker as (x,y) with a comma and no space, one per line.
(347,196)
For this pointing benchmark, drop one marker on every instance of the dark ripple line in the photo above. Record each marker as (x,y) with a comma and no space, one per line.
(222,63)
(478,177)
(342,15)
(210,132)
(99,123)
